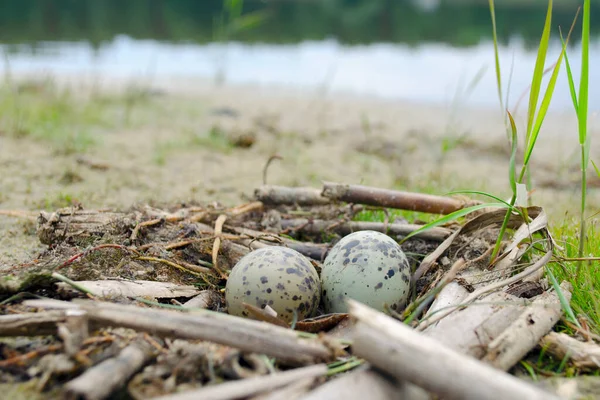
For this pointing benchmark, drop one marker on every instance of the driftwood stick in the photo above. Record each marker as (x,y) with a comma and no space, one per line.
(302,196)
(409,355)
(526,331)
(318,226)
(582,354)
(471,330)
(31,324)
(101,380)
(248,335)
(140,288)
(372,196)
(251,386)
(366,384)
(452,294)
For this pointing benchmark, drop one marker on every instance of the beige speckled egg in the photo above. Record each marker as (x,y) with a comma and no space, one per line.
(369,267)
(279,277)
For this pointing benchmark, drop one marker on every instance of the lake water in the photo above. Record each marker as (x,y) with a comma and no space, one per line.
(430,51)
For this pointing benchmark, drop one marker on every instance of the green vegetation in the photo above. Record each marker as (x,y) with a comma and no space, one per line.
(460,23)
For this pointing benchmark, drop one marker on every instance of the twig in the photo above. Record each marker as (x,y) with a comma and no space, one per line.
(346,227)
(28,356)
(523,334)
(140,225)
(245,334)
(30,324)
(387,343)
(103,379)
(18,214)
(266,167)
(392,198)
(217,244)
(251,386)
(561,345)
(302,196)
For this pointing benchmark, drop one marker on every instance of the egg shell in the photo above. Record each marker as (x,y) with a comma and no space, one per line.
(279,277)
(369,267)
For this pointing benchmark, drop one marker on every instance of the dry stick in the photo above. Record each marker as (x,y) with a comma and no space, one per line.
(344,228)
(266,167)
(247,335)
(408,355)
(470,331)
(103,379)
(28,356)
(523,334)
(251,386)
(581,354)
(217,244)
(137,288)
(496,285)
(359,194)
(283,195)
(31,324)
(18,214)
(136,230)
(366,384)
(246,208)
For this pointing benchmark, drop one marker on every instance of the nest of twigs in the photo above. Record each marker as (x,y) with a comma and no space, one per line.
(130,304)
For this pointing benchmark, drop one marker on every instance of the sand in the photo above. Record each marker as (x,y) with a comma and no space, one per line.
(166,155)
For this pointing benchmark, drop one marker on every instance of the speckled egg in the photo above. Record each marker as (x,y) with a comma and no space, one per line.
(369,267)
(279,277)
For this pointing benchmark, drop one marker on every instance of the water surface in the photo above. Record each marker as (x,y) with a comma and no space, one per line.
(429,51)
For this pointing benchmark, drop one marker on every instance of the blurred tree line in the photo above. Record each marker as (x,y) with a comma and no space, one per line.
(456,22)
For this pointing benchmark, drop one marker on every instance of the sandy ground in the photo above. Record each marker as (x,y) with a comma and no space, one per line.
(167,155)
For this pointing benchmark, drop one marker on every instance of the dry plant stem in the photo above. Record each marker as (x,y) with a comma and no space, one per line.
(372,196)
(582,354)
(366,384)
(123,288)
(18,214)
(496,285)
(248,387)
(31,324)
(28,356)
(411,356)
(244,334)
(526,331)
(472,329)
(204,299)
(217,244)
(245,208)
(318,226)
(136,230)
(452,294)
(103,379)
(302,196)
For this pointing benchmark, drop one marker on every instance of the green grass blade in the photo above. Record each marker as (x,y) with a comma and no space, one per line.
(512,174)
(570,77)
(496,55)
(453,216)
(582,110)
(563,300)
(538,71)
(543,109)
(596,168)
